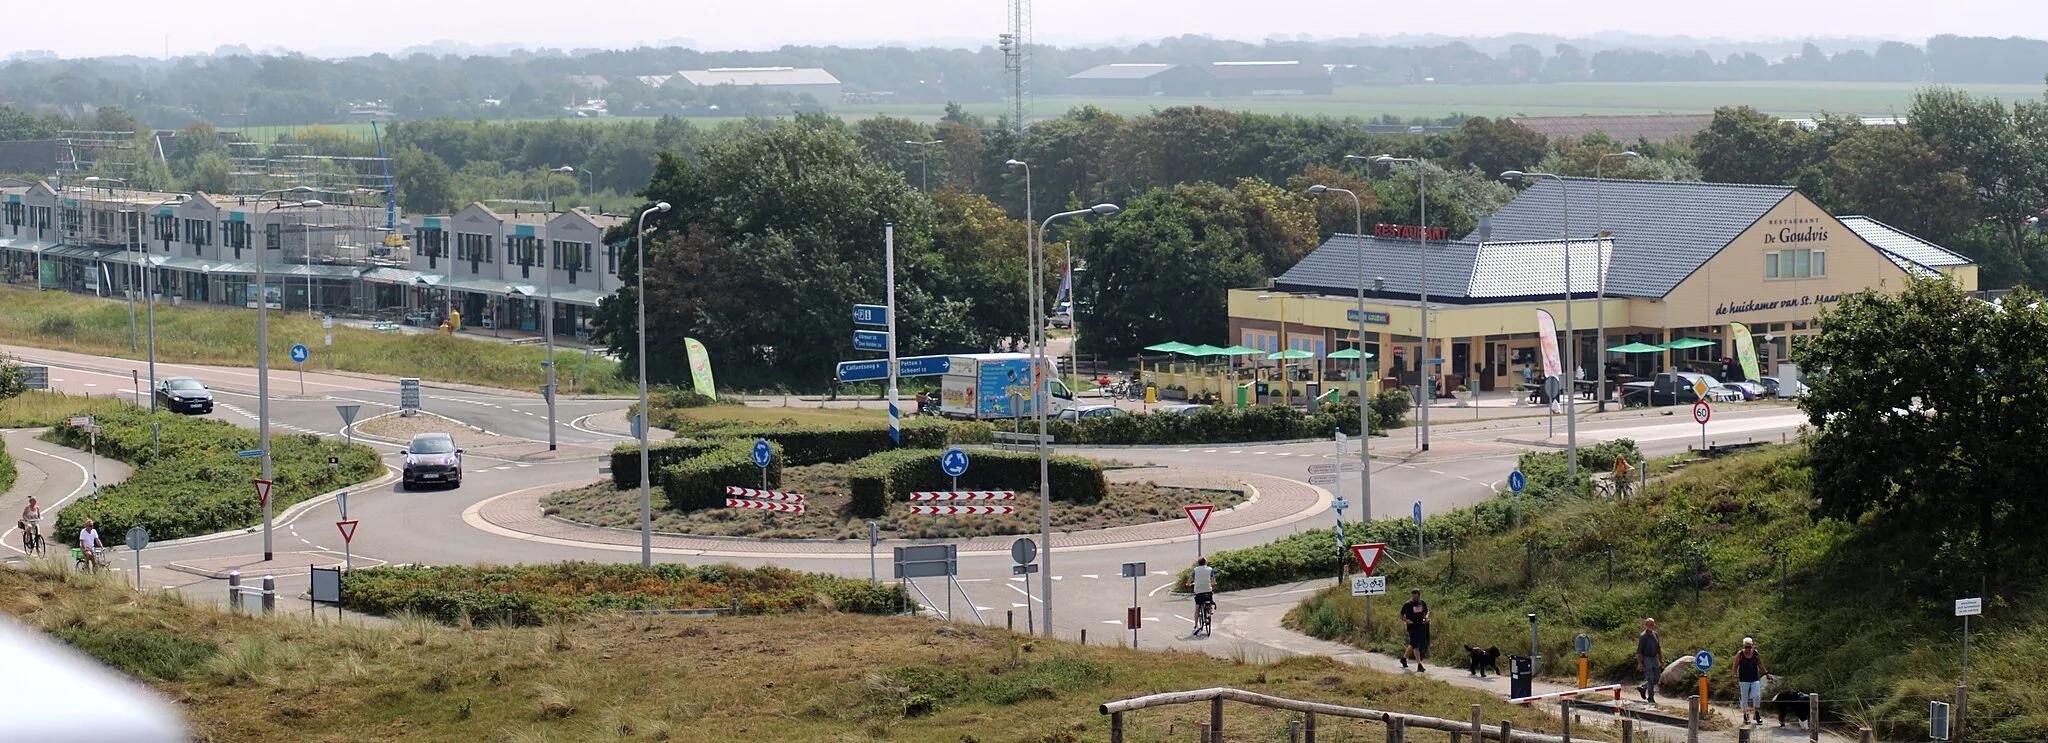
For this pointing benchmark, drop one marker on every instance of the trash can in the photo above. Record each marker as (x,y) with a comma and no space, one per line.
(1521,676)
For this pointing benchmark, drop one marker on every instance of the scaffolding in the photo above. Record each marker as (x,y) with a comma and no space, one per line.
(82,153)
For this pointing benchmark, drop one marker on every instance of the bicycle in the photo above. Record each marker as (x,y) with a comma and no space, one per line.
(1204,612)
(99,558)
(31,539)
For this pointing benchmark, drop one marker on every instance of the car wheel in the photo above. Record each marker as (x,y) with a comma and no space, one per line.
(404,485)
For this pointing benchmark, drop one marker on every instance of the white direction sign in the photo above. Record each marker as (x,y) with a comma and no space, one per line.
(1368,585)
(1324,469)
(1322,479)
(1969,607)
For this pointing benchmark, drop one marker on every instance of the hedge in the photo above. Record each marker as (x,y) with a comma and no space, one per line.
(6,469)
(802,446)
(1220,424)
(534,594)
(626,459)
(197,485)
(699,482)
(877,480)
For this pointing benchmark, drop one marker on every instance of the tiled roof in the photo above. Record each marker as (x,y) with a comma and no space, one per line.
(1663,230)
(1507,270)
(1333,268)
(1624,129)
(1913,254)
(1121,71)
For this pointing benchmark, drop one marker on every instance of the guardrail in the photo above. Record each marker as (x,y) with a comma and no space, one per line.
(1397,722)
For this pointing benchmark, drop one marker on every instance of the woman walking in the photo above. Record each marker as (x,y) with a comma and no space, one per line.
(1749,676)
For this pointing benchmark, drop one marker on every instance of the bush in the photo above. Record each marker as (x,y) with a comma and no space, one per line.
(534,594)
(196,484)
(804,446)
(661,456)
(1390,408)
(699,482)
(1219,424)
(6,468)
(890,476)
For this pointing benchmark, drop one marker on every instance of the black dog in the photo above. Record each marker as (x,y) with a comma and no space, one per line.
(1482,659)
(1793,704)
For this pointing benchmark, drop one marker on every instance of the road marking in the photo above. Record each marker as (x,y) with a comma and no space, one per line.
(1091,577)
(1284,454)
(528,465)
(1027,595)
(1015,605)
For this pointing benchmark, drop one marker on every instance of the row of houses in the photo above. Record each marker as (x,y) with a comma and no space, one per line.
(812,81)
(1212,79)
(498,269)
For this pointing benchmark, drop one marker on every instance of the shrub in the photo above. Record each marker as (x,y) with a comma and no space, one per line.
(6,468)
(699,482)
(1390,408)
(880,479)
(1219,424)
(803,446)
(533,594)
(195,484)
(626,459)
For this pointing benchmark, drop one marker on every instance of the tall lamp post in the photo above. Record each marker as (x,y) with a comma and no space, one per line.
(263,357)
(142,263)
(1364,423)
(1571,419)
(1422,254)
(91,182)
(640,302)
(571,171)
(1034,318)
(924,156)
(1600,270)
(1040,391)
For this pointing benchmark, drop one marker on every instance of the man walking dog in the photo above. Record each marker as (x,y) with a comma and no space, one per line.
(1650,660)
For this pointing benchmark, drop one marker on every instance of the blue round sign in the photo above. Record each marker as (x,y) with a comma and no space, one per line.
(300,354)
(1516,481)
(1703,660)
(762,453)
(953,462)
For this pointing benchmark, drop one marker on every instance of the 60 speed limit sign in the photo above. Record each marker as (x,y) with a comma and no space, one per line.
(1701,413)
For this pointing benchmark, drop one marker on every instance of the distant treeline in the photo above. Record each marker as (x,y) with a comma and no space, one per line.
(295,89)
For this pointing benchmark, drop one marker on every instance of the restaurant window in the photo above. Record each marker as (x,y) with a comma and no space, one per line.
(235,235)
(432,243)
(470,247)
(199,232)
(1796,264)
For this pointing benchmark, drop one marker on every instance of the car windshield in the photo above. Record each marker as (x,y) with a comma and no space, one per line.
(433,445)
(184,384)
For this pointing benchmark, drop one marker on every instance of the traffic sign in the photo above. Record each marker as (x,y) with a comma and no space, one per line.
(1200,515)
(963,495)
(1322,479)
(1418,514)
(1368,585)
(1582,643)
(870,314)
(35,377)
(1701,412)
(250,454)
(348,530)
(300,353)
(953,462)
(326,322)
(138,538)
(1969,607)
(78,420)
(334,461)
(757,494)
(762,505)
(262,492)
(923,366)
(861,371)
(348,413)
(1023,570)
(1133,570)
(1324,469)
(960,510)
(1517,481)
(762,453)
(1703,660)
(1368,555)
(1699,388)
(1023,551)
(870,340)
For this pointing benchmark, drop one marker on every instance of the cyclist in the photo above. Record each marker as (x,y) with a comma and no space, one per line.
(1204,579)
(31,524)
(89,543)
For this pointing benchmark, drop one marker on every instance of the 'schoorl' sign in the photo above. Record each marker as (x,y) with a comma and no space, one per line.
(1409,232)
(1737,308)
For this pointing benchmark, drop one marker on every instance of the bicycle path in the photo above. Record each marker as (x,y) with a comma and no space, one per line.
(57,476)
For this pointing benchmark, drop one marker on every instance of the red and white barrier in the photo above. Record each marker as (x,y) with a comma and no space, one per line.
(957,510)
(761,505)
(964,495)
(1615,688)
(775,495)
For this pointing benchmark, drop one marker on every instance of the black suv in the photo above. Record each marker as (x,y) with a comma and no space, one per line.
(184,395)
(432,458)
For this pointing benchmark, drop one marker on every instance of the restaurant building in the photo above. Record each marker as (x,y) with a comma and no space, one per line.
(1680,261)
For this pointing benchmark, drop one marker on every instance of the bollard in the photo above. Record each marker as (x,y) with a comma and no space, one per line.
(1084,635)
(1692,719)
(1742,734)
(1628,731)
(1202,733)
(1116,727)
(1813,718)
(1863,735)
(234,590)
(1215,721)
(1397,731)
(1294,731)
(1010,620)
(1564,713)
(269,594)
(1308,727)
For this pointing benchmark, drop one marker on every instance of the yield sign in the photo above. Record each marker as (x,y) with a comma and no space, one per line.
(1200,515)
(1368,555)
(262,492)
(348,530)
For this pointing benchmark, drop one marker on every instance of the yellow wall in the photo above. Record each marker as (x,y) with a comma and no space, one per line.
(1448,321)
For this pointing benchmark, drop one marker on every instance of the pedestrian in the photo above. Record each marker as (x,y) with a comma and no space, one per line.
(1649,660)
(1749,677)
(1416,614)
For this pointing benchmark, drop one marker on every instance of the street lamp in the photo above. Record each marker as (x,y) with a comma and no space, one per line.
(1039,394)
(1035,318)
(640,302)
(263,357)
(1364,424)
(1600,270)
(924,158)
(143,265)
(550,186)
(1422,254)
(1571,420)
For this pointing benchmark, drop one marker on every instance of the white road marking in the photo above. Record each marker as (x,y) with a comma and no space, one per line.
(1027,595)
(1091,577)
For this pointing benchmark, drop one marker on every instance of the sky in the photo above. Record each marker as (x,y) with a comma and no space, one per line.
(363,26)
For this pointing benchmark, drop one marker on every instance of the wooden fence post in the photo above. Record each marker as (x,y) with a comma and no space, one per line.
(1116,727)
(1813,718)
(1478,726)
(1564,710)
(1215,721)
(1397,731)
(1202,733)
(1308,727)
(1628,731)
(1692,719)
(1293,731)
(1507,731)
(1863,735)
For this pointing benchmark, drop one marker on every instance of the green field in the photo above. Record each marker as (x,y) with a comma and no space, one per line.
(1787,99)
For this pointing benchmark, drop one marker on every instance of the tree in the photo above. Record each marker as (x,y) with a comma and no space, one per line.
(16,124)
(1895,175)
(2003,150)
(1495,146)
(13,380)
(1926,402)
(1744,145)
(425,184)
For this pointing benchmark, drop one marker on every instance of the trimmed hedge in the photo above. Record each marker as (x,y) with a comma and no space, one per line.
(1220,424)
(660,456)
(198,485)
(533,594)
(699,482)
(803,446)
(891,476)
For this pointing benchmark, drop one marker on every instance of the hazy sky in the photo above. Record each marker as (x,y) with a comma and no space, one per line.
(138,27)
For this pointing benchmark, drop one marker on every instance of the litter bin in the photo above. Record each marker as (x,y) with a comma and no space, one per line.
(1521,676)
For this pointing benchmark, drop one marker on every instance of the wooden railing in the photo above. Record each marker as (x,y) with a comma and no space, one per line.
(1397,722)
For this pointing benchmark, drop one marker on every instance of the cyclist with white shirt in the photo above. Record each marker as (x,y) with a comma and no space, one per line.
(1203,579)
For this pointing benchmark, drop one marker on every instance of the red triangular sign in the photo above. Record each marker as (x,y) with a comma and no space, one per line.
(348,530)
(262,492)
(1368,555)
(1200,515)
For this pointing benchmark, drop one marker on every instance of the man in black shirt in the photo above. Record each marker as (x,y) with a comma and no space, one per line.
(1416,614)
(1649,660)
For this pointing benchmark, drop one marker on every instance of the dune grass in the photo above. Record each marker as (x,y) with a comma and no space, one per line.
(197,334)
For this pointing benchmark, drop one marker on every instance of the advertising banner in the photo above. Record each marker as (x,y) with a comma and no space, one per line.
(700,368)
(1745,350)
(1546,331)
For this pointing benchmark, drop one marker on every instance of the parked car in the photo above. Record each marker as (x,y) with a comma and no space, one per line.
(432,458)
(1098,410)
(1670,388)
(184,395)
(1775,388)
(1750,391)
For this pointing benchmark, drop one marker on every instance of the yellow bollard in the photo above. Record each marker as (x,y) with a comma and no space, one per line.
(1151,395)
(1703,695)
(1582,670)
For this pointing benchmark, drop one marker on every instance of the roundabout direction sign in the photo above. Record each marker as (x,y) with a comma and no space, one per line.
(953,462)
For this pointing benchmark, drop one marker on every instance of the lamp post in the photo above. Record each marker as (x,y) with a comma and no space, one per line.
(1600,270)
(549,256)
(1364,423)
(1034,318)
(263,359)
(640,302)
(143,265)
(1571,420)
(1040,391)
(924,156)
(93,179)
(550,186)
(1422,254)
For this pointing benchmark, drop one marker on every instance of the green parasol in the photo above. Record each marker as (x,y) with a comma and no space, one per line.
(1636,348)
(1292,353)
(1685,343)
(1352,353)
(1169,347)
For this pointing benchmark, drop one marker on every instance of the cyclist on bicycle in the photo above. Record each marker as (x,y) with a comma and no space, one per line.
(89,543)
(31,524)
(1204,579)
